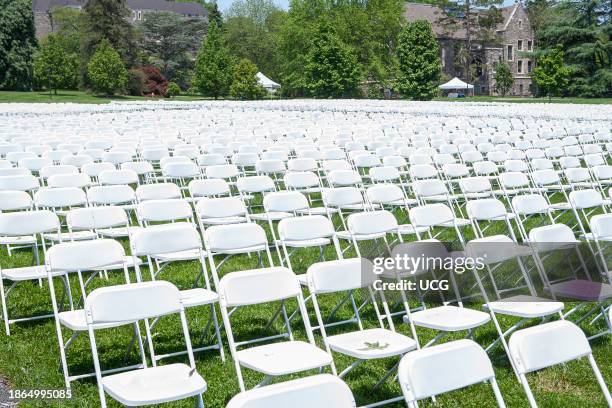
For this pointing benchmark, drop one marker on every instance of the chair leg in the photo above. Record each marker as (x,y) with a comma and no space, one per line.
(498,394)
(218,332)
(530,398)
(5,317)
(200,401)
(600,380)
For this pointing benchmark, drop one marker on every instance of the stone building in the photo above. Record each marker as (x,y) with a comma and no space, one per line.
(513,36)
(44,22)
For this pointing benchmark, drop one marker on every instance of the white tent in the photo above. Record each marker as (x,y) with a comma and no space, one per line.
(456,84)
(267,83)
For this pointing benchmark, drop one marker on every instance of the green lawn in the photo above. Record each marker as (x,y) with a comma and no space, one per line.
(30,356)
(83,97)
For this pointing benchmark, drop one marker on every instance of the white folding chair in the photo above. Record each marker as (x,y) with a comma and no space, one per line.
(128,304)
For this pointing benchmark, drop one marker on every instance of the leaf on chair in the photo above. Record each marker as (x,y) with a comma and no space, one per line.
(374,346)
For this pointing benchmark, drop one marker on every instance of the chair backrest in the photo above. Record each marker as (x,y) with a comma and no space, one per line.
(132,302)
(59,197)
(302,164)
(28,222)
(285,201)
(111,195)
(140,167)
(235,238)
(530,204)
(546,177)
(96,217)
(341,178)
(166,238)
(26,182)
(384,173)
(323,390)
(372,222)
(384,193)
(302,179)
(476,184)
(208,188)
(114,177)
(438,369)
(157,191)
(69,180)
(486,209)
(544,238)
(15,200)
(601,225)
(181,170)
(220,207)
(305,228)
(585,198)
(428,188)
(94,169)
(49,171)
(340,196)
(430,215)
(84,255)
(255,184)
(513,179)
(547,344)
(258,286)
(164,210)
(340,275)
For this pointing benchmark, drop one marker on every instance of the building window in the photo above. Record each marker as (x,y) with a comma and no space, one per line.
(509,55)
(520,23)
(520,45)
(139,15)
(443,57)
(529,66)
(520,67)
(521,89)
(529,45)
(134,15)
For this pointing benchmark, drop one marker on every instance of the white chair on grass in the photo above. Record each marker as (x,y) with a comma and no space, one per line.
(443,368)
(549,344)
(128,304)
(322,390)
(273,359)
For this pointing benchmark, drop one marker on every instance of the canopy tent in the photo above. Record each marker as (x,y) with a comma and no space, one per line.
(267,83)
(455,84)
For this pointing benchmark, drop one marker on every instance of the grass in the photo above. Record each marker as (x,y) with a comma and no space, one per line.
(83,97)
(29,358)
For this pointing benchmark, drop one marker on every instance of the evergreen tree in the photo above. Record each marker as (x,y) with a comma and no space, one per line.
(551,75)
(107,19)
(54,68)
(17,44)
(214,15)
(105,71)
(332,70)
(245,84)
(213,69)
(419,61)
(503,78)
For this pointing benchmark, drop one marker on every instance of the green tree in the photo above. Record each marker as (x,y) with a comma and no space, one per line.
(54,68)
(173,90)
(105,71)
(419,61)
(503,78)
(477,20)
(245,84)
(169,41)
(106,19)
(332,70)
(213,68)
(17,44)
(214,15)
(551,75)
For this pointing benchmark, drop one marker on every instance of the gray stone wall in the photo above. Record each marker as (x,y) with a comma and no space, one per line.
(43,25)
(519,31)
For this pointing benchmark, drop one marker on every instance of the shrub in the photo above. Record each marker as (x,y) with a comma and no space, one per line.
(106,71)
(173,90)
(155,82)
(245,85)
(136,82)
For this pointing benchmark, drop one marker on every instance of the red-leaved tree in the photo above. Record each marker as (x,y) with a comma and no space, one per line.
(156,83)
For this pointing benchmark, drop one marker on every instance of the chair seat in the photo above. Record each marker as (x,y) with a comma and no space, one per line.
(318,211)
(283,358)
(187,255)
(525,306)
(271,216)
(449,318)
(129,262)
(361,237)
(307,243)
(28,273)
(223,220)
(580,289)
(118,232)
(459,221)
(197,297)
(71,236)
(561,206)
(303,279)
(409,229)
(20,240)
(371,343)
(154,385)
(401,203)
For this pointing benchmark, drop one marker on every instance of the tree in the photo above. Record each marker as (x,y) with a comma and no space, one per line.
(477,20)
(419,61)
(17,44)
(332,70)
(503,78)
(551,75)
(106,19)
(245,84)
(105,71)
(155,82)
(213,73)
(170,41)
(54,68)
(173,90)
(214,15)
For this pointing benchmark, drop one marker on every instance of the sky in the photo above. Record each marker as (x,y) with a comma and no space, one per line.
(225,4)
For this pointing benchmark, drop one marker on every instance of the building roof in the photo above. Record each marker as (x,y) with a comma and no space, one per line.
(156,5)
(431,13)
